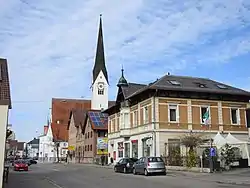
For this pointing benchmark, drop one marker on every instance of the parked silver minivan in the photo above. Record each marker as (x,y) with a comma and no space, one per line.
(149,165)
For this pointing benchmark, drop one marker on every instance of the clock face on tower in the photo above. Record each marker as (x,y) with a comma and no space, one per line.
(100,86)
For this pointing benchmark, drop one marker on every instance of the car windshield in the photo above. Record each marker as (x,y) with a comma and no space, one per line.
(155,159)
(20,162)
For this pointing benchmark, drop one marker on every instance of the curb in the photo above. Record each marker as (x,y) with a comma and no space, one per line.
(233,182)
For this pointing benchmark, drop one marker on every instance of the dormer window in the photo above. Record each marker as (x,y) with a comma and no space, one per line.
(202,86)
(174,82)
(221,86)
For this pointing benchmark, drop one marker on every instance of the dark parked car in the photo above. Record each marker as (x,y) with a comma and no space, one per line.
(30,161)
(125,165)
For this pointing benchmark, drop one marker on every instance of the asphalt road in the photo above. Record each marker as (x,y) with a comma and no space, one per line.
(72,176)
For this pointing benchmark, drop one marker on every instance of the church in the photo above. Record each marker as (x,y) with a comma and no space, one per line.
(88,127)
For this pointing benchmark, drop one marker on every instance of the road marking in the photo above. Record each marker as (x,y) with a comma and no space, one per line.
(53,182)
(55,169)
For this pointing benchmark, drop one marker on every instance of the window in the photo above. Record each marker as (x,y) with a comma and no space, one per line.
(135,118)
(91,134)
(126,120)
(202,85)
(88,134)
(174,82)
(221,86)
(90,147)
(135,148)
(100,91)
(155,159)
(145,115)
(85,136)
(127,150)
(85,148)
(120,149)
(205,114)
(173,113)
(101,133)
(235,116)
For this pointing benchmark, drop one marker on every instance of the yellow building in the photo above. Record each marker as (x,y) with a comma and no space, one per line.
(146,118)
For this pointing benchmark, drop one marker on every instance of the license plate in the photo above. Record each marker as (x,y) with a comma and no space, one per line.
(158,170)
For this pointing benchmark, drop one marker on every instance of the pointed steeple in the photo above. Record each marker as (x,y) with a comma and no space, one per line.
(100,58)
(122,81)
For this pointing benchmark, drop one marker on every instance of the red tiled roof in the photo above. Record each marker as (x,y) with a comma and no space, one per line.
(61,109)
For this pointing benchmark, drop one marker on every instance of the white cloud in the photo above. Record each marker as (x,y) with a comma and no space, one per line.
(51,45)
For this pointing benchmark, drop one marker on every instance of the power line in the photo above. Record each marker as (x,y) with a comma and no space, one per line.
(28,101)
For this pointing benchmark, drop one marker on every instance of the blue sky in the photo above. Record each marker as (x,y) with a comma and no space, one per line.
(50,47)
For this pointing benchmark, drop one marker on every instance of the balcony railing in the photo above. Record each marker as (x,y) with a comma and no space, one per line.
(131,131)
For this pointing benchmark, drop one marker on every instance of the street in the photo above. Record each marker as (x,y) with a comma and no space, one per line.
(78,176)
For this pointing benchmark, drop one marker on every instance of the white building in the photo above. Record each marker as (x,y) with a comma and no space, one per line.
(5,105)
(149,120)
(46,146)
(48,149)
(32,148)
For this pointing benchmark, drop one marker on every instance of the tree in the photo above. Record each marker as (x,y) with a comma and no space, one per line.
(227,155)
(57,143)
(191,141)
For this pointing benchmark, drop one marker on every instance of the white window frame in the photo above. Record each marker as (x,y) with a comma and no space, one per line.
(176,107)
(135,118)
(126,120)
(111,126)
(145,120)
(209,109)
(237,115)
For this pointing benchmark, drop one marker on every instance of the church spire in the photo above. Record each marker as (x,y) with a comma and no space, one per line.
(100,58)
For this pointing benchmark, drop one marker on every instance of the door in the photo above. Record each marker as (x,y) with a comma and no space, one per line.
(141,165)
(120,165)
(137,164)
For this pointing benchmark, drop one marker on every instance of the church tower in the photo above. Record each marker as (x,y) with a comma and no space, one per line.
(100,82)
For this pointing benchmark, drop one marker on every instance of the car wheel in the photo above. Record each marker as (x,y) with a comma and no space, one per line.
(145,172)
(134,171)
(115,169)
(124,170)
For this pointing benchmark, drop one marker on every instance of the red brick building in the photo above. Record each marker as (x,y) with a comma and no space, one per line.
(61,109)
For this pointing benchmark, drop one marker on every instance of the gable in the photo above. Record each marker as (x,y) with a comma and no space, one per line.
(100,78)
(72,127)
(88,127)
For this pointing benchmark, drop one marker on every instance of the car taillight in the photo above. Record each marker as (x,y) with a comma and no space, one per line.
(128,165)
(148,164)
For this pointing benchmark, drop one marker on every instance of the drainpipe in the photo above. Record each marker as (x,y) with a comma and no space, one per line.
(154,122)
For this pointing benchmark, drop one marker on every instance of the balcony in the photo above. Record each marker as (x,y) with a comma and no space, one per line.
(125,132)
